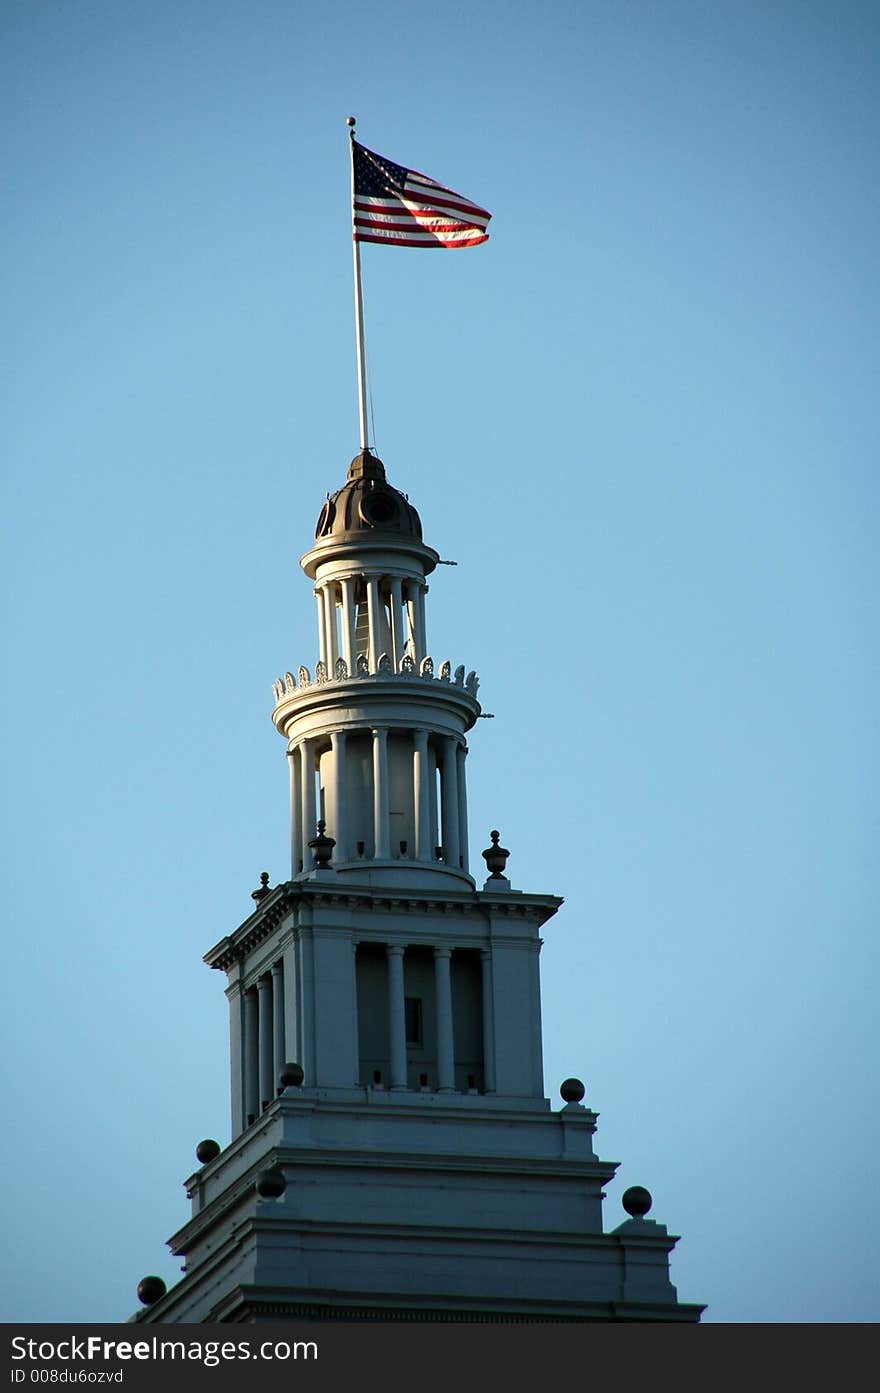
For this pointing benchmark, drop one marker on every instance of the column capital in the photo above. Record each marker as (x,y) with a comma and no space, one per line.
(394,950)
(442,951)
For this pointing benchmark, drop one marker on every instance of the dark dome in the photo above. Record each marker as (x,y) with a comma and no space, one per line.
(367,503)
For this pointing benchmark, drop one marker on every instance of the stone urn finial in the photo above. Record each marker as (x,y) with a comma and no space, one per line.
(495,857)
(321,847)
(257,895)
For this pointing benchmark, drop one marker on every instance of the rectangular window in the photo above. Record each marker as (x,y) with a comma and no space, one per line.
(412,1010)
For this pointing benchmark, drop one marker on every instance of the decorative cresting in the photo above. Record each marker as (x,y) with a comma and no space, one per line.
(286,687)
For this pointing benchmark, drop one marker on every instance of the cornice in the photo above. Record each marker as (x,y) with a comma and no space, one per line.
(285,898)
(568,1168)
(249,1302)
(266,917)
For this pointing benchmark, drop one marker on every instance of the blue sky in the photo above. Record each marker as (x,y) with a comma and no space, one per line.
(642,418)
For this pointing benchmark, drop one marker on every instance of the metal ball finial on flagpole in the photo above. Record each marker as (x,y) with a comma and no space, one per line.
(358,301)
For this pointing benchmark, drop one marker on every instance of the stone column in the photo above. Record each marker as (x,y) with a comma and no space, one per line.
(424,850)
(449,835)
(380,793)
(422,640)
(330,631)
(396,1015)
(264,991)
(349,620)
(235,998)
(340,829)
(488,1021)
(373,614)
(305,980)
(309,818)
(432,800)
(296,840)
(251,1056)
(462,806)
(322,637)
(410,592)
(293,1000)
(398,640)
(445,1047)
(278,1059)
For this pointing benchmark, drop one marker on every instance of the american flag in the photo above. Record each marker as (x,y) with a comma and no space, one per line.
(401,206)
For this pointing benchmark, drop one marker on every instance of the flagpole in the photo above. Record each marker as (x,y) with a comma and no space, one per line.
(358,304)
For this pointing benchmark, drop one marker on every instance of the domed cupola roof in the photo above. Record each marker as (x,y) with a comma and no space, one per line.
(367,504)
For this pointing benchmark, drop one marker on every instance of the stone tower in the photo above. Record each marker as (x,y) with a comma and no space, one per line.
(393,1156)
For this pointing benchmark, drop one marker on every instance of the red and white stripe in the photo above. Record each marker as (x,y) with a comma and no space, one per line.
(425,215)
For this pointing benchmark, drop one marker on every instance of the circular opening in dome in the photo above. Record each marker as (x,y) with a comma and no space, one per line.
(379,509)
(325,521)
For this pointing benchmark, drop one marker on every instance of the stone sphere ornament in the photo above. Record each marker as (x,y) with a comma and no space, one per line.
(150,1290)
(271,1183)
(291,1076)
(571,1091)
(207,1150)
(637,1201)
